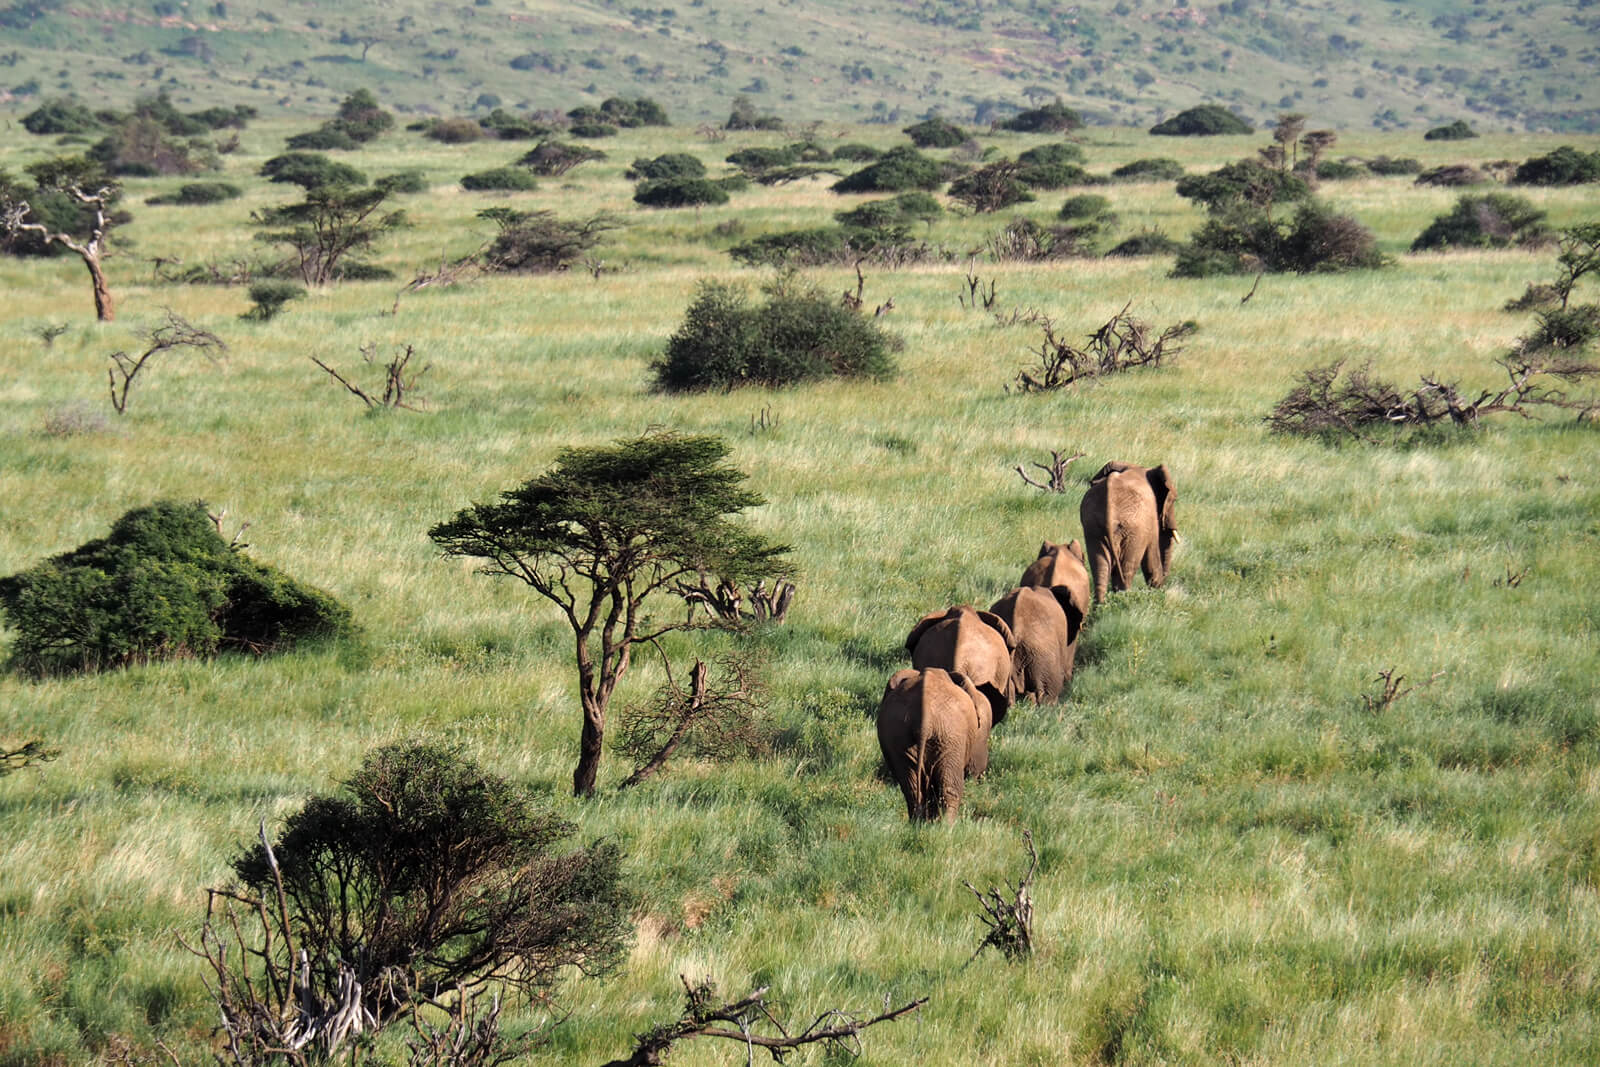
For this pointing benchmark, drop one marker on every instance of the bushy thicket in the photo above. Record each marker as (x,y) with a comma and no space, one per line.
(52,207)
(1246,241)
(798,335)
(1051,118)
(552,158)
(1492,220)
(1455,131)
(670,165)
(61,116)
(1146,243)
(162,584)
(310,170)
(935,133)
(360,119)
(200,193)
(1452,174)
(900,169)
(500,179)
(1388,166)
(539,241)
(1149,170)
(1248,182)
(403,182)
(1207,120)
(1565,166)
(679,192)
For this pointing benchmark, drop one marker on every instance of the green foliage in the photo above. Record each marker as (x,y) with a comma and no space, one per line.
(425,872)
(900,169)
(310,170)
(635,112)
(1051,118)
(1570,327)
(762,158)
(1149,170)
(935,133)
(455,131)
(142,147)
(1206,120)
(1388,166)
(1146,243)
(896,211)
(1452,174)
(508,127)
(592,129)
(1246,182)
(163,584)
(671,165)
(1338,170)
(540,242)
(1564,166)
(799,335)
(1490,220)
(323,139)
(50,205)
(1048,155)
(500,179)
(60,115)
(810,247)
(1054,176)
(991,188)
(1455,131)
(854,152)
(1246,241)
(679,192)
(554,158)
(195,193)
(403,182)
(745,117)
(360,120)
(270,296)
(332,225)
(1086,206)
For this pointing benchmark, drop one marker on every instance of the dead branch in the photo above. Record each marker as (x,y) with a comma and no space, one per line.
(48,334)
(1245,299)
(1391,687)
(976,294)
(469,1036)
(853,300)
(1056,473)
(750,1013)
(25,755)
(1010,922)
(216,520)
(718,718)
(397,382)
(726,601)
(176,332)
(763,421)
(1123,343)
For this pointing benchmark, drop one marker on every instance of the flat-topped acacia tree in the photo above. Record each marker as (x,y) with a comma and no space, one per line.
(603,531)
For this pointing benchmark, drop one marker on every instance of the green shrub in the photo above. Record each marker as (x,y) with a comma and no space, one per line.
(1339,170)
(403,182)
(1053,175)
(539,241)
(1149,170)
(1573,326)
(895,211)
(799,335)
(508,127)
(455,131)
(60,116)
(592,130)
(1207,120)
(1455,131)
(631,113)
(310,170)
(794,248)
(1492,220)
(1245,241)
(554,158)
(1051,118)
(1086,206)
(200,193)
(1146,243)
(991,188)
(856,153)
(1452,174)
(1388,167)
(500,179)
(897,170)
(679,192)
(323,139)
(671,165)
(935,133)
(1247,181)
(764,158)
(1047,155)
(1565,166)
(163,584)
(270,297)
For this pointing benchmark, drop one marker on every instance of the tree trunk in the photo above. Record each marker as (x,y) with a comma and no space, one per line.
(589,747)
(104,307)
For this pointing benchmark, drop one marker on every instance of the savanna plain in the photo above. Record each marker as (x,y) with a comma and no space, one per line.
(1241,859)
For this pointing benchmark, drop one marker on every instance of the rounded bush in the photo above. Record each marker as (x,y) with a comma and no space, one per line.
(897,170)
(407,182)
(679,192)
(1565,166)
(500,179)
(592,129)
(1493,220)
(1146,243)
(324,139)
(310,170)
(193,193)
(1338,170)
(1149,170)
(856,153)
(671,165)
(1047,155)
(1455,131)
(935,133)
(1087,206)
(1052,118)
(1206,120)
(455,131)
(1385,166)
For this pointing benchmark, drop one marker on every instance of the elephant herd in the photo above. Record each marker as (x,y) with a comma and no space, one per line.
(969,666)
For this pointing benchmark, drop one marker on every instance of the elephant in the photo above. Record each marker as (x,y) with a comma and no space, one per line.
(1046,624)
(1128,522)
(933,728)
(1061,567)
(975,643)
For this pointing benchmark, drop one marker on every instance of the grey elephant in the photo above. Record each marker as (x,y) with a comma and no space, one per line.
(975,643)
(1046,624)
(933,728)
(1128,525)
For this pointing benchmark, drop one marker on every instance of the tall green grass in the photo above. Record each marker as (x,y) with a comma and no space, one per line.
(1238,858)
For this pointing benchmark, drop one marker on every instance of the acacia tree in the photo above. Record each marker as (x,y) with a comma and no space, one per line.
(85,183)
(331,223)
(603,531)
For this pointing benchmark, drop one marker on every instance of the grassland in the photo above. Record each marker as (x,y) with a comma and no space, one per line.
(1240,861)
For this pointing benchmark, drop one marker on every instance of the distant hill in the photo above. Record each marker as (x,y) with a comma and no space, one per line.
(1383,63)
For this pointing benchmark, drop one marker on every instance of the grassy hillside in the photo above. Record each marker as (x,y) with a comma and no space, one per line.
(1241,857)
(1501,64)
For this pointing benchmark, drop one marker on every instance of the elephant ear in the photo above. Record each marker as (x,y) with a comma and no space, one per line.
(1045,548)
(995,621)
(1161,485)
(1075,546)
(928,621)
(1074,613)
(973,691)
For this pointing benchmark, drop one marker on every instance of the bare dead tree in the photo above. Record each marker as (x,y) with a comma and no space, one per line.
(1010,921)
(1245,299)
(725,601)
(716,718)
(1123,343)
(744,1019)
(92,249)
(1391,687)
(1055,473)
(1021,317)
(470,1035)
(976,294)
(397,379)
(1512,579)
(176,332)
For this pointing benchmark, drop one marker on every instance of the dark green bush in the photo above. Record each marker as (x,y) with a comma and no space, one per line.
(554,158)
(764,158)
(508,127)
(794,248)
(991,188)
(60,116)
(163,584)
(1207,120)
(679,192)
(1247,181)
(323,139)
(1086,206)
(403,182)
(1146,243)
(1245,241)
(935,133)
(1053,175)
(1339,170)
(1455,131)
(592,130)
(799,335)
(1492,220)
(500,179)
(671,165)
(270,297)
(1046,155)
(1388,167)
(631,113)
(1051,118)
(1452,174)
(200,193)
(1573,326)
(897,170)
(1565,166)
(899,210)
(455,131)
(310,170)
(1149,170)
(539,241)
(856,153)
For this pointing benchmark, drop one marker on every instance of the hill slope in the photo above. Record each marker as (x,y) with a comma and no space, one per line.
(1499,64)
